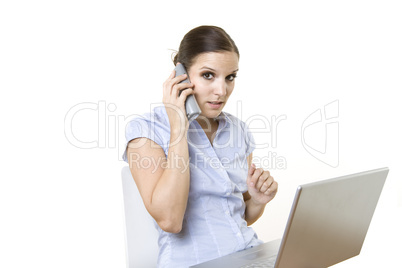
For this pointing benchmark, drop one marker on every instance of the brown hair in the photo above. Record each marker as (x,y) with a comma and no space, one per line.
(203,39)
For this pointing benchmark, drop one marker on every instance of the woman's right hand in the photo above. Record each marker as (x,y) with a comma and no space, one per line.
(175,104)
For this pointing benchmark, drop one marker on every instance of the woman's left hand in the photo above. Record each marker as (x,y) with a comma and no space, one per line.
(261,185)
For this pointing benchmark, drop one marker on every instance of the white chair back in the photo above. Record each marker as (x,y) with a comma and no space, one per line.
(141,234)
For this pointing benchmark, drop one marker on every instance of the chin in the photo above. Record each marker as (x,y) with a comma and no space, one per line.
(211,114)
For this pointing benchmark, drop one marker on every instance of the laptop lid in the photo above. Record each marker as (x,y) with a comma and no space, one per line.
(329,220)
(327,224)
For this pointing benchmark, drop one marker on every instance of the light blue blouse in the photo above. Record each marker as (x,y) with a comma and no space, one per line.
(214,222)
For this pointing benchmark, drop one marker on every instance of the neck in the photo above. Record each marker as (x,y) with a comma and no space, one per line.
(206,123)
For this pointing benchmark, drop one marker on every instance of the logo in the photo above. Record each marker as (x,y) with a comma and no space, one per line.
(320,134)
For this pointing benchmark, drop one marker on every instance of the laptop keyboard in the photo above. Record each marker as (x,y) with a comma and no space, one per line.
(267,263)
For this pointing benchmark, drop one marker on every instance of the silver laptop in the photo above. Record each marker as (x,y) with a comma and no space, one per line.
(327,224)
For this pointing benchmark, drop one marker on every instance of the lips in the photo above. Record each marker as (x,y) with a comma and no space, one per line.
(215,104)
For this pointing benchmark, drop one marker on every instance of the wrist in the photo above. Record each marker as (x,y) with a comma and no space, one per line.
(256,203)
(178,134)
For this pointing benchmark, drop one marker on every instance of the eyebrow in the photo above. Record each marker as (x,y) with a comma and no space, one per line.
(208,68)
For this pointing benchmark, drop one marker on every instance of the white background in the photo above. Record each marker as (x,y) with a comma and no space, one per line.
(62,205)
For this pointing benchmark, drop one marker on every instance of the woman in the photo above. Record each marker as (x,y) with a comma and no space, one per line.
(196,178)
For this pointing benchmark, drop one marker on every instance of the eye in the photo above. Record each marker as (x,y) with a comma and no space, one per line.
(231,77)
(208,76)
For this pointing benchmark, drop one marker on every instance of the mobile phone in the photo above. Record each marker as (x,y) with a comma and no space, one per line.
(192,108)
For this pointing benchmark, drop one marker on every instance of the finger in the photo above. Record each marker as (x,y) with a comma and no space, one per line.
(167,82)
(176,87)
(272,190)
(267,184)
(262,179)
(254,178)
(178,79)
(251,170)
(172,80)
(172,75)
(185,93)
(179,87)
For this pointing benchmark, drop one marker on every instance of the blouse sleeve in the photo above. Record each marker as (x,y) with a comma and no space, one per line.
(141,127)
(249,139)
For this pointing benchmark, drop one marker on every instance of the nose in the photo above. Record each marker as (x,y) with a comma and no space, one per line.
(220,88)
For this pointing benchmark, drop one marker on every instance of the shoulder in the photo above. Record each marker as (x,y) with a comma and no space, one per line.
(157,115)
(234,121)
(156,121)
(153,125)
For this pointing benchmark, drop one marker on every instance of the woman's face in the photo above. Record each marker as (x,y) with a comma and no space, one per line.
(213,75)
